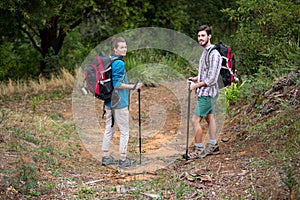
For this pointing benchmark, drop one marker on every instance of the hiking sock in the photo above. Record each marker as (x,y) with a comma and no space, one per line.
(199,145)
(105,153)
(214,142)
(123,156)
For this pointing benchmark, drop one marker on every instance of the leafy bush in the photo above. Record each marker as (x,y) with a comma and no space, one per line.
(267,38)
(233,92)
(73,52)
(6,59)
(18,61)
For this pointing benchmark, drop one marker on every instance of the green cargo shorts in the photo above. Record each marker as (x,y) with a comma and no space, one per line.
(205,106)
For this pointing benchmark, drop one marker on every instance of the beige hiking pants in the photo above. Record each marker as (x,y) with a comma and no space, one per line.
(121,117)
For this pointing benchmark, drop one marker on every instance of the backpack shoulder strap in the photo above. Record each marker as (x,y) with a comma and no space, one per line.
(98,59)
(119,58)
(208,54)
(116,58)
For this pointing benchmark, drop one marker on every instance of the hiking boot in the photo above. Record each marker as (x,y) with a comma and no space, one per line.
(195,152)
(109,160)
(126,163)
(210,149)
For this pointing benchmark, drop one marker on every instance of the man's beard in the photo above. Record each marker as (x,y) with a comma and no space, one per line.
(204,44)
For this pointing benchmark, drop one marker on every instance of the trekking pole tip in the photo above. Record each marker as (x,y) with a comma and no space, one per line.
(185,156)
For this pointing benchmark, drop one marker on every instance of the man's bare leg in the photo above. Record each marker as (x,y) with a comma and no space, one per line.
(212,146)
(197,128)
(210,119)
(198,146)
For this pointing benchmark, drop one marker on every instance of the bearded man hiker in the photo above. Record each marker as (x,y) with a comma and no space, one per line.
(207,90)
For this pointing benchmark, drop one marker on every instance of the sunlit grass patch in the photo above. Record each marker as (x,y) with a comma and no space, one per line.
(63,81)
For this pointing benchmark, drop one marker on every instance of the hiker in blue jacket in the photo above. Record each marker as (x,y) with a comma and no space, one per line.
(117,110)
(207,91)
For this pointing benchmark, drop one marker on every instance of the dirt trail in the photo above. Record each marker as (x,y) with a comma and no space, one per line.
(245,169)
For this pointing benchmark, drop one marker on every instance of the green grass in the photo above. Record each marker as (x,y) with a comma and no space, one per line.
(167,185)
(32,140)
(153,66)
(280,135)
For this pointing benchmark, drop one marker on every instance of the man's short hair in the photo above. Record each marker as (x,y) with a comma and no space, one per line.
(204,28)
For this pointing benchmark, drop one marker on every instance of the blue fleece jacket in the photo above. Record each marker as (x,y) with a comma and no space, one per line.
(119,76)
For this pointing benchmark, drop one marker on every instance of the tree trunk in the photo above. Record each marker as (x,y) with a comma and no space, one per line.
(52,39)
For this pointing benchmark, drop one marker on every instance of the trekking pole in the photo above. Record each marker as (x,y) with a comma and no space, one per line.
(140,134)
(188,123)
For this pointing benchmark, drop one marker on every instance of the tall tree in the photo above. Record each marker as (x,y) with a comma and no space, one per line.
(120,15)
(44,23)
(209,12)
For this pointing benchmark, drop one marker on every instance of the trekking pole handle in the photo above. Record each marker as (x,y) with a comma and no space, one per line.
(134,87)
(189,82)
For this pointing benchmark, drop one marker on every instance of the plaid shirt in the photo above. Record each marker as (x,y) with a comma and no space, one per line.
(209,74)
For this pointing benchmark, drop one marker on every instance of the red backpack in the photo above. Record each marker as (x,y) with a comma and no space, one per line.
(98,77)
(228,70)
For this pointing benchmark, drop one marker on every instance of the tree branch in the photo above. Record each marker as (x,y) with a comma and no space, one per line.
(33,42)
(86,14)
(31,28)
